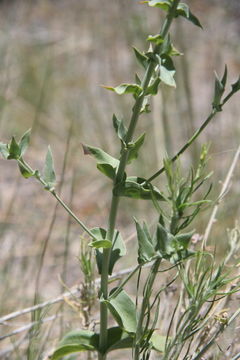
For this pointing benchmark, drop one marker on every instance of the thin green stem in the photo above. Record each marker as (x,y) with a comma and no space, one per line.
(119,178)
(53,192)
(194,137)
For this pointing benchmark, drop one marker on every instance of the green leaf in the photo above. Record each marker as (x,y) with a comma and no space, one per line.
(123,310)
(236,85)
(141,58)
(184,239)
(158,342)
(164,242)
(118,339)
(25,173)
(156,39)
(104,244)
(219,90)
(126,89)
(167,71)
(168,49)
(49,175)
(153,88)
(4,150)
(24,141)
(146,250)
(183,10)
(164,5)
(133,188)
(105,163)
(14,150)
(76,341)
(119,127)
(118,248)
(134,148)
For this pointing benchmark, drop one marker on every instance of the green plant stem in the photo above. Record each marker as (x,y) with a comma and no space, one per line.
(193,138)
(53,192)
(144,306)
(118,179)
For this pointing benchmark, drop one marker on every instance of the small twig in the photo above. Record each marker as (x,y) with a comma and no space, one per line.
(29,326)
(223,191)
(73,291)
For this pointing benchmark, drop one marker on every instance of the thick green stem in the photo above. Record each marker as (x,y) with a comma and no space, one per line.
(118,179)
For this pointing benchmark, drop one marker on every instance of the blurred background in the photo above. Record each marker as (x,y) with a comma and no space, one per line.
(54,57)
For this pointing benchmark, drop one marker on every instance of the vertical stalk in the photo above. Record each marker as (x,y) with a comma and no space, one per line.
(144,306)
(118,179)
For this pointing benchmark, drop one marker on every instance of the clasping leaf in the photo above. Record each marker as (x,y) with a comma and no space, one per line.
(49,175)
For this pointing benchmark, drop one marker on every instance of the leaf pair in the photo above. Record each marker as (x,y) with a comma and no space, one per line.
(117,246)
(15,150)
(182,10)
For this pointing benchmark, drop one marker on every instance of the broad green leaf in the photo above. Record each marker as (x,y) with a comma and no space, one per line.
(123,310)
(183,10)
(146,249)
(118,248)
(156,39)
(133,187)
(119,127)
(164,5)
(164,241)
(49,175)
(24,142)
(133,152)
(105,163)
(98,244)
(4,150)
(126,89)
(118,339)
(168,49)
(141,58)
(14,149)
(153,88)
(167,71)
(76,341)
(158,342)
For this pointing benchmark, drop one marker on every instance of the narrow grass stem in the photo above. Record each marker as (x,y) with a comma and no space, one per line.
(118,179)
(144,306)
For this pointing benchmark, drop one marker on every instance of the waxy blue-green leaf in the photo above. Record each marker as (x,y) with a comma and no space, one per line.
(14,150)
(219,90)
(101,244)
(118,248)
(118,339)
(119,127)
(168,49)
(123,310)
(105,163)
(4,150)
(24,142)
(141,58)
(134,148)
(76,341)
(167,71)
(153,88)
(184,239)
(183,10)
(137,188)
(49,175)
(236,85)
(146,250)
(121,89)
